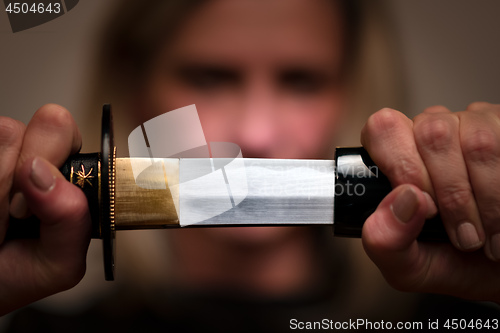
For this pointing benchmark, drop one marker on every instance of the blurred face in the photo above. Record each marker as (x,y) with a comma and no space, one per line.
(263,74)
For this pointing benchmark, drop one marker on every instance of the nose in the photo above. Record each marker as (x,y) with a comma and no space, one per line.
(258,130)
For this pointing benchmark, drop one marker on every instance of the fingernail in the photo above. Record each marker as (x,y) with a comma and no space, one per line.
(495,247)
(18,207)
(41,176)
(467,237)
(405,205)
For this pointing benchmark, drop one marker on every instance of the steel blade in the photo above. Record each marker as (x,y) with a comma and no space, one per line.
(245,191)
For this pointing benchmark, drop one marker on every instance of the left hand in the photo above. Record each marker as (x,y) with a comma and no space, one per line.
(444,160)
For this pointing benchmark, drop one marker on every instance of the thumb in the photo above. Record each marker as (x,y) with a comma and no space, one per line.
(64,217)
(390,233)
(31,269)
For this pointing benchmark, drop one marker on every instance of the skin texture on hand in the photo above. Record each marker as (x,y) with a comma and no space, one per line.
(454,157)
(31,269)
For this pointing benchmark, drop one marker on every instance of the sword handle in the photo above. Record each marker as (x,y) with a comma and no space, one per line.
(359,188)
(94,174)
(82,170)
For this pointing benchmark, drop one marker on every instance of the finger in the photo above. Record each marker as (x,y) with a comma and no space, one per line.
(437,138)
(389,240)
(389,236)
(65,220)
(37,268)
(388,138)
(481,107)
(436,109)
(11,138)
(52,134)
(480,142)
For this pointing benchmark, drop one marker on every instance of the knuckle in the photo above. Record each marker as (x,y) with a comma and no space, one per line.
(480,146)
(55,115)
(436,109)
(478,106)
(406,171)
(434,134)
(455,198)
(11,131)
(382,121)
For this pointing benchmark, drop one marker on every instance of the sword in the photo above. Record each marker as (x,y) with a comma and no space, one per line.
(176,192)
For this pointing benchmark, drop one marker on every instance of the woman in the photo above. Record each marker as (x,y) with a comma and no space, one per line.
(273,77)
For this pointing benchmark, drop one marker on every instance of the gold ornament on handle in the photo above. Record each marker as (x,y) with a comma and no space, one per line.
(83,177)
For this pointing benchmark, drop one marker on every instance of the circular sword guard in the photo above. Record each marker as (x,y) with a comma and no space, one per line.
(107,206)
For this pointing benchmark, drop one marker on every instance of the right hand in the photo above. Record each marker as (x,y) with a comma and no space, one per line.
(30,183)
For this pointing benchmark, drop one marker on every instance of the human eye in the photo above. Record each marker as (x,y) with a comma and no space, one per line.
(302,80)
(208,77)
